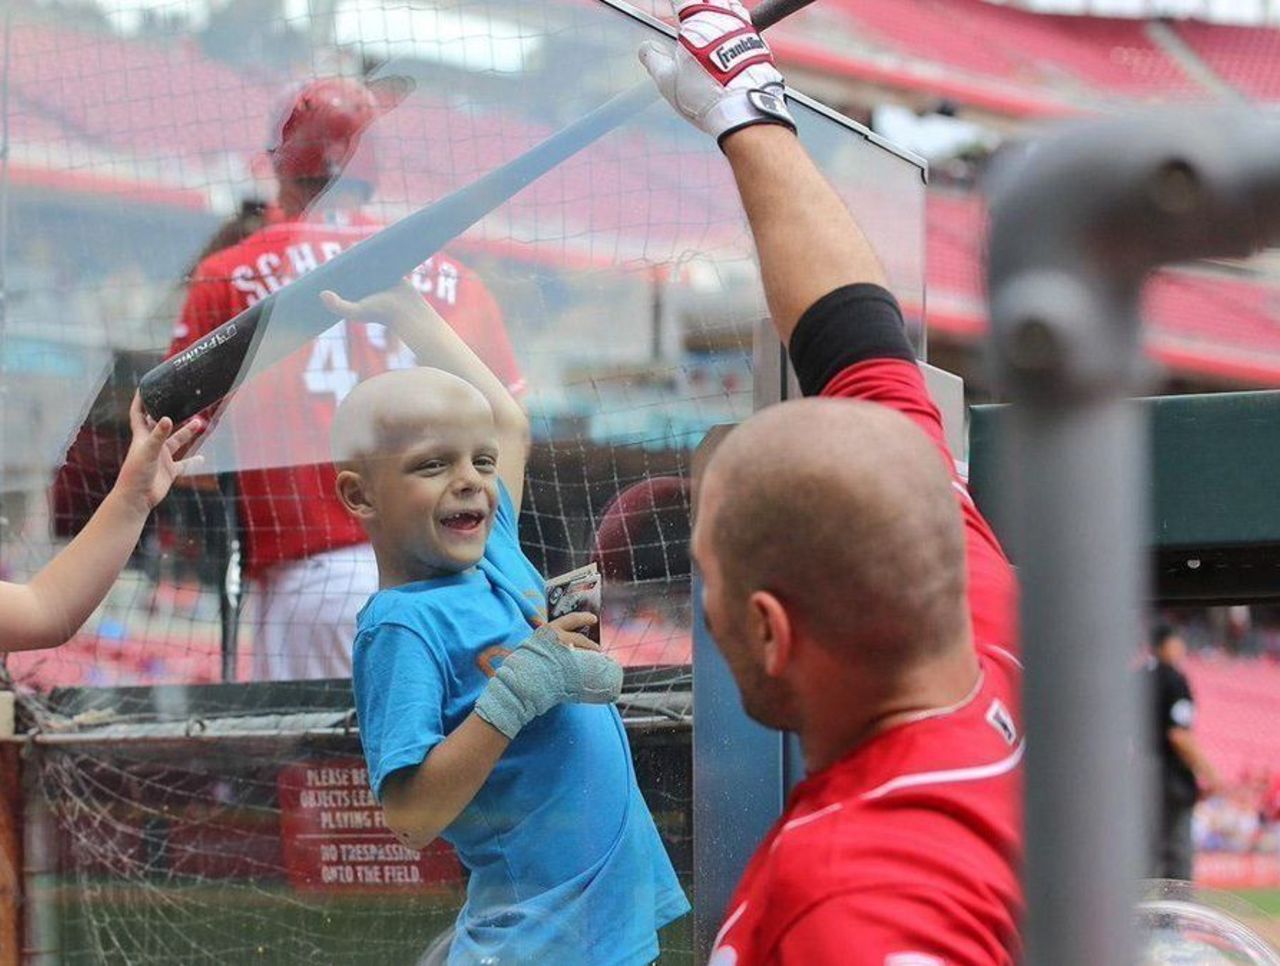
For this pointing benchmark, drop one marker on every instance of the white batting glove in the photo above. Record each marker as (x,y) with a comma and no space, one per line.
(720,74)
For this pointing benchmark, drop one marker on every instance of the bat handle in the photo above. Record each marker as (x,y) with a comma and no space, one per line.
(769,12)
(203,373)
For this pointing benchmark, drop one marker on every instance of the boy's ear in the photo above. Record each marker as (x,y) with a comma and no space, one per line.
(354,496)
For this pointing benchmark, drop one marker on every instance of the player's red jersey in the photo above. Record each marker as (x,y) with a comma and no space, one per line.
(907,851)
(289,508)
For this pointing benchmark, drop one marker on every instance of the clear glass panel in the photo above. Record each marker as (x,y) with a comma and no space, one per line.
(624,281)
(617,294)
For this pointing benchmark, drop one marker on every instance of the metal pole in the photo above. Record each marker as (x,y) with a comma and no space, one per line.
(5,150)
(10,854)
(1077,226)
(41,931)
(1080,601)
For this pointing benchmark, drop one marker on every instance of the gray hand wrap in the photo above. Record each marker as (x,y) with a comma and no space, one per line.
(541,673)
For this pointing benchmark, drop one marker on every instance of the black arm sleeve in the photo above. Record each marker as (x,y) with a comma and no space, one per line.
(851,324)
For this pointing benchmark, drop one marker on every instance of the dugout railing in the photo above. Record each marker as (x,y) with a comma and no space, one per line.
(1077,228)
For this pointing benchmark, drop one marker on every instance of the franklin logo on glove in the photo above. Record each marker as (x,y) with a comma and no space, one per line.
(728,54)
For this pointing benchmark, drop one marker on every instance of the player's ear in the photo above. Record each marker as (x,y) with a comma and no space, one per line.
(773,631)
(354,495)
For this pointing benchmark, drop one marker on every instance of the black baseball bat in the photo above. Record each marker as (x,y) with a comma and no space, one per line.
(212,366)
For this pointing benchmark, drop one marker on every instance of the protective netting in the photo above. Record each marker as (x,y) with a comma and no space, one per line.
(617,296)
(246,846)
(252,839)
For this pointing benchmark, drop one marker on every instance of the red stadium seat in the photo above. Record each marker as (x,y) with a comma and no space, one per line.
(1238,704)
(1230,324)
(1096,55)
(169,102)
(1248,58)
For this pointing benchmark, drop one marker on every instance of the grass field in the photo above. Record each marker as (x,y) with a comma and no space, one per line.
(214,924)
(1266,900)
(217,924)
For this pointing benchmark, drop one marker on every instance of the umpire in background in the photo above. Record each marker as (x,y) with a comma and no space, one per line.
(1185,771)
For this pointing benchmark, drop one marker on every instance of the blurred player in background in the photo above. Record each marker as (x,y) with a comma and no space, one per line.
(858,596)
(310,565)
(48,609)
(1186,773)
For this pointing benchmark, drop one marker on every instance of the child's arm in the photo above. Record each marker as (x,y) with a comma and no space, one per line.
(436,344)
(556,665)
(420,803)
(52,606)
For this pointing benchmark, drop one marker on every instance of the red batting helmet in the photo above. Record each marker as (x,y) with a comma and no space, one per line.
(319,130)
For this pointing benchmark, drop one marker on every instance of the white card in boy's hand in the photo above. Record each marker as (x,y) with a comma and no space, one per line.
(578,591)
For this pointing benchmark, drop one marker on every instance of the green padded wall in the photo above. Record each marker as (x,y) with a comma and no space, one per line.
(1215,529)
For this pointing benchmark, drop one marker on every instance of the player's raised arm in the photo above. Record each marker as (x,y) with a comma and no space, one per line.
(824,284)
(809,245)
(435,344)
(46,611)
(721,77)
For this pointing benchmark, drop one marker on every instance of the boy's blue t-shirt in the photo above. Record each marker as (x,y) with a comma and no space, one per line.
(566,864)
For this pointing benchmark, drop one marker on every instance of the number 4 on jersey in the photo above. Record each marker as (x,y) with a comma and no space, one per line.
(329,368)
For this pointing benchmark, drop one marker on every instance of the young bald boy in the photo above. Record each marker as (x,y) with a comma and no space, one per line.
(481,723)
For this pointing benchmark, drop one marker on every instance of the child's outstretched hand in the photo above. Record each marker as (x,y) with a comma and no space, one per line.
(388,307)
(154,459)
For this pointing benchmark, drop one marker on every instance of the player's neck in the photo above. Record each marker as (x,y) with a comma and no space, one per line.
(831,732)
(298,199)
(294,199)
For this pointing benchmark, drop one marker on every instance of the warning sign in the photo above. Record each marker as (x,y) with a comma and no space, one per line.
(334,838)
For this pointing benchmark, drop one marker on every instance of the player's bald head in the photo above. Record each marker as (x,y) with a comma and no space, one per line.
(844,511)
(381,414)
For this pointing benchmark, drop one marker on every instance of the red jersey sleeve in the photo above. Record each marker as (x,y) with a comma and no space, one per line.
(880,927)
(900,385)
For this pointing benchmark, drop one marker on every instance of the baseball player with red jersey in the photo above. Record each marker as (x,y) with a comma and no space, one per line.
(310,564)
(856,593)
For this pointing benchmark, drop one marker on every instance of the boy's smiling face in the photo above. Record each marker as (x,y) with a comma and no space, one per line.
(435,495)
(417,454)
